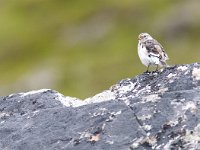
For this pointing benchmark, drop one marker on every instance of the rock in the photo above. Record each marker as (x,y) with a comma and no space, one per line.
(150,111)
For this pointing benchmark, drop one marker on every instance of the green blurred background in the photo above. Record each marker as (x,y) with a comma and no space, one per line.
(81,47)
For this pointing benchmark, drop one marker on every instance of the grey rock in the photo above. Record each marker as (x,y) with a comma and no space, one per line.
(157,110)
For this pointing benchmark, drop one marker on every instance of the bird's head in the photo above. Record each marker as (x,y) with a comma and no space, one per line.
(144,36)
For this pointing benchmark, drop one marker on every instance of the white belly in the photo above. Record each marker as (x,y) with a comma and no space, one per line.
(144,56)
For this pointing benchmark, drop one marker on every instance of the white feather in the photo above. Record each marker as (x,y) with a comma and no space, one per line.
(144,56)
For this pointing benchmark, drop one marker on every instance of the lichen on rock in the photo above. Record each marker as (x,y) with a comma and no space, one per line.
(150,111)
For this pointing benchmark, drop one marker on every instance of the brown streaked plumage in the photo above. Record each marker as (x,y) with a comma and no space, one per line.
(151,51)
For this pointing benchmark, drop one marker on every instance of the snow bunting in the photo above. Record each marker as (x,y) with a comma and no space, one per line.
(151,52)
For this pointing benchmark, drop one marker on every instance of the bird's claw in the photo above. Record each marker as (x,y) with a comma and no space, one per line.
(147,72)
(155,71)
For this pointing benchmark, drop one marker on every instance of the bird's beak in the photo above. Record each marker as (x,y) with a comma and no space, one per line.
(139,37)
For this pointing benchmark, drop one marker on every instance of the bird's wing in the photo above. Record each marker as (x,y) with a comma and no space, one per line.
(155,49)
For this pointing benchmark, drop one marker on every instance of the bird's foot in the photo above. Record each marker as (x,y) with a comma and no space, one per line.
(147,72)
(155,72)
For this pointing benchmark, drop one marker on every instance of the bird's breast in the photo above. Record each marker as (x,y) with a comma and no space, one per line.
(143,54)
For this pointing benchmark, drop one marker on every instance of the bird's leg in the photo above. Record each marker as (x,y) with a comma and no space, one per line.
(157,67)
(147,69)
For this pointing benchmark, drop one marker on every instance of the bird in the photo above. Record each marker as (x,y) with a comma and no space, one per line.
(151,52)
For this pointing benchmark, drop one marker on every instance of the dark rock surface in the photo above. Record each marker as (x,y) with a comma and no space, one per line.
(150,111)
